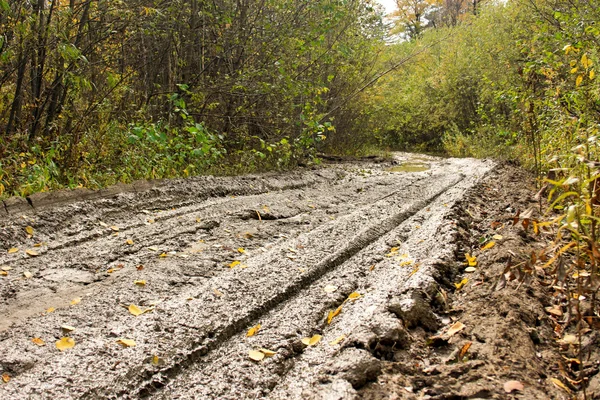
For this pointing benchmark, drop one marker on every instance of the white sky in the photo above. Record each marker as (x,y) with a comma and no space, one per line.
(390,5)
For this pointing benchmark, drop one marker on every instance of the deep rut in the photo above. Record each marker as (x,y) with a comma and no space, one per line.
(334,225)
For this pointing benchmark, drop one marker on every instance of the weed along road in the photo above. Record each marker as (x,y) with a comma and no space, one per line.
(286,286)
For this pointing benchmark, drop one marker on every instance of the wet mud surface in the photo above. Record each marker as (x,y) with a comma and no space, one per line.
(351,251)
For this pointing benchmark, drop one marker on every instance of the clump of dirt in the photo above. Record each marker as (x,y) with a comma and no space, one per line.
(507,344)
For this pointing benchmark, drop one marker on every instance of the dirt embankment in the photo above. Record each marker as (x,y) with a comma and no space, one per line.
(324,283)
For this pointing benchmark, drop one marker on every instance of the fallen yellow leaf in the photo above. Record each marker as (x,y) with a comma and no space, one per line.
(405,263)
(27,274)
(253,331)
(29,230)
(3,273)
(126,342)
(354,295)
(338,340)
(312,340)
(488,246)
(76,300)
(163,255)
(461,284)
(471,260)
(12,250)
(31,253)
(155,360)
(267,352)
(129,242)
(115,228)
(241,250)
(256,355)
(5,377)
(135,310)
(38,341)
(234,264)
(140,282)
(67,328)
(333,314)
(65,343)
(51,309)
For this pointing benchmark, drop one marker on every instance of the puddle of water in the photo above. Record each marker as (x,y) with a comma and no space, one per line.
(410,167)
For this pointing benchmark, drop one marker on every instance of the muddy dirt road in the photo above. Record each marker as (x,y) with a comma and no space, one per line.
(348,252)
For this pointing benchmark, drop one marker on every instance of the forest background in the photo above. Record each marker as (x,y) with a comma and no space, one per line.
(94,92)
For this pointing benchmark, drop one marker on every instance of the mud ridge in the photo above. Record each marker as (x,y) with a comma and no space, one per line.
(363,240)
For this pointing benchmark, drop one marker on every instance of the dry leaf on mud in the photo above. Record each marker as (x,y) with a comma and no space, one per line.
(51,309)
(471,260)
(256,355)
(12,250)
(560,385)
(139,267)
(135,310)
(155,360)
(140,282)
(234,264)
(569,339)
(333,314)
(29,230)
(67,328)
(5,377)
(253,331)
(330,288)
(241,250)
(27,274)
(31,253)
(488,246)
(554,310)
(511,386)
(312,340)
(75,301)
(217,292)
(337,340)
(126,342)
(354,296)
(65,343)
(3,273)
(163,255)
(115,228)
(6,268)
(129,242)
(461,284)
(454,329)
(464,350)
(267,352)
(38,341)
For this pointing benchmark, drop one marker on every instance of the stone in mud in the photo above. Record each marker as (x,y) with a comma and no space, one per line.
(355,366)
(382,335)
(414,310)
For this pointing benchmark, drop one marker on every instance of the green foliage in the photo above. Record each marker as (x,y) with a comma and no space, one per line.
(211,86)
